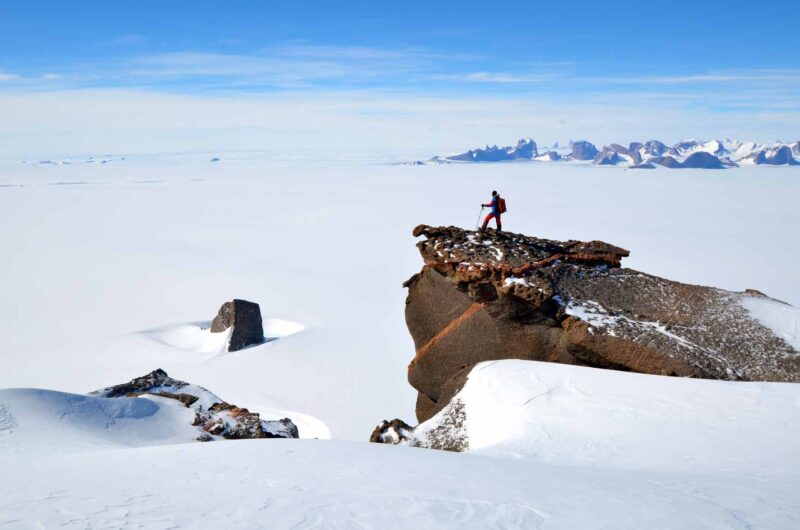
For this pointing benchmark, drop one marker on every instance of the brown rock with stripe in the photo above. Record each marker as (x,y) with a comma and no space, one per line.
(490,296)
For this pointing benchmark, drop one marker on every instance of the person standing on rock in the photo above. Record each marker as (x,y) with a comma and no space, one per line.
(498,206)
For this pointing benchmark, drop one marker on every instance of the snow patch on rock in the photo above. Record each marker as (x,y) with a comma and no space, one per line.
(783,319)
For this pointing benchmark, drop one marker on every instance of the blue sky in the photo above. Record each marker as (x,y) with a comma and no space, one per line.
(736,62)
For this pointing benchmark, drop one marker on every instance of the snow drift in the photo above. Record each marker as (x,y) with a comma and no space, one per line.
(592,417)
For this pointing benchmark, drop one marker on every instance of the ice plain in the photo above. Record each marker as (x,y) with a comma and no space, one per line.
(98,256)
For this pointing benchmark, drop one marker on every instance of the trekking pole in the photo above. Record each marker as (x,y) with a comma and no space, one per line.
(479,218)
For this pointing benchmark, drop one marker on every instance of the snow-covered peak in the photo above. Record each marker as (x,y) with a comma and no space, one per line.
(691,153)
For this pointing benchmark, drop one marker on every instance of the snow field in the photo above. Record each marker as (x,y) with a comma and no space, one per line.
(139,244)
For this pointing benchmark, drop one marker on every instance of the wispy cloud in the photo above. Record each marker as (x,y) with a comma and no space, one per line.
(501,77)
(294,65)
(713,77)
(128,39)
(307,68)
(113,120)
(5,76)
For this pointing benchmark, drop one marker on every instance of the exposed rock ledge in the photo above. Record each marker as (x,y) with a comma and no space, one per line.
(489,296)
(213,417)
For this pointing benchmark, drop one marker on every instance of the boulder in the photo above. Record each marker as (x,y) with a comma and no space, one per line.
(245,319)
(489,296)
(391,432)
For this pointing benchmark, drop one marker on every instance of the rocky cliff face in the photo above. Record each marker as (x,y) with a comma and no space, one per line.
(488,296)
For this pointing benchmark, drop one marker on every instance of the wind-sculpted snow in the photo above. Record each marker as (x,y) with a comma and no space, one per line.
(487,296)
(589,417)
(307,484)
(154,409)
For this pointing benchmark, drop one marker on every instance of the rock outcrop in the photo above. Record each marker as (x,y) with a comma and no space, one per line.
(779,156)
(524,150)
(712,154)
(609,156)
(583,150)
(212,416)
(245,319)
(391,432)
(489,296)
(703,160)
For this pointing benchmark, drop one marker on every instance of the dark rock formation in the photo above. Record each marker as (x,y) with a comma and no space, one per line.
(713,154)
(524,150)
(488,296)
(245,319)
(147,384)
(213,416)
(621,149)
(634,151)
(550,155)
(391,432)
(609,157)
(703,160)
(683,147)
(583,150)
(698,160)
(781,156)
(235,423)
(654,147)
(666,161)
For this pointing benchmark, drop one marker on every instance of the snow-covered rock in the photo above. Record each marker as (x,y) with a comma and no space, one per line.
(524,150)
(549,156)
(779,155)
(695,154)
(154,409)
(610,156)
(583,150)
(211,414)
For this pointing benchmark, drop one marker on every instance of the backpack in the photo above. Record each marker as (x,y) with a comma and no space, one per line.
(502,205)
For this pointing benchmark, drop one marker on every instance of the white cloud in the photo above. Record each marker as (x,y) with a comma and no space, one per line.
(125,121)
(127,39)
(4,76)
(294,64)
(500,77)
(51,77)
(733,76)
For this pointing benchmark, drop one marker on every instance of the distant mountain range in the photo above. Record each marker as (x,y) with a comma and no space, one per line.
(713,154)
